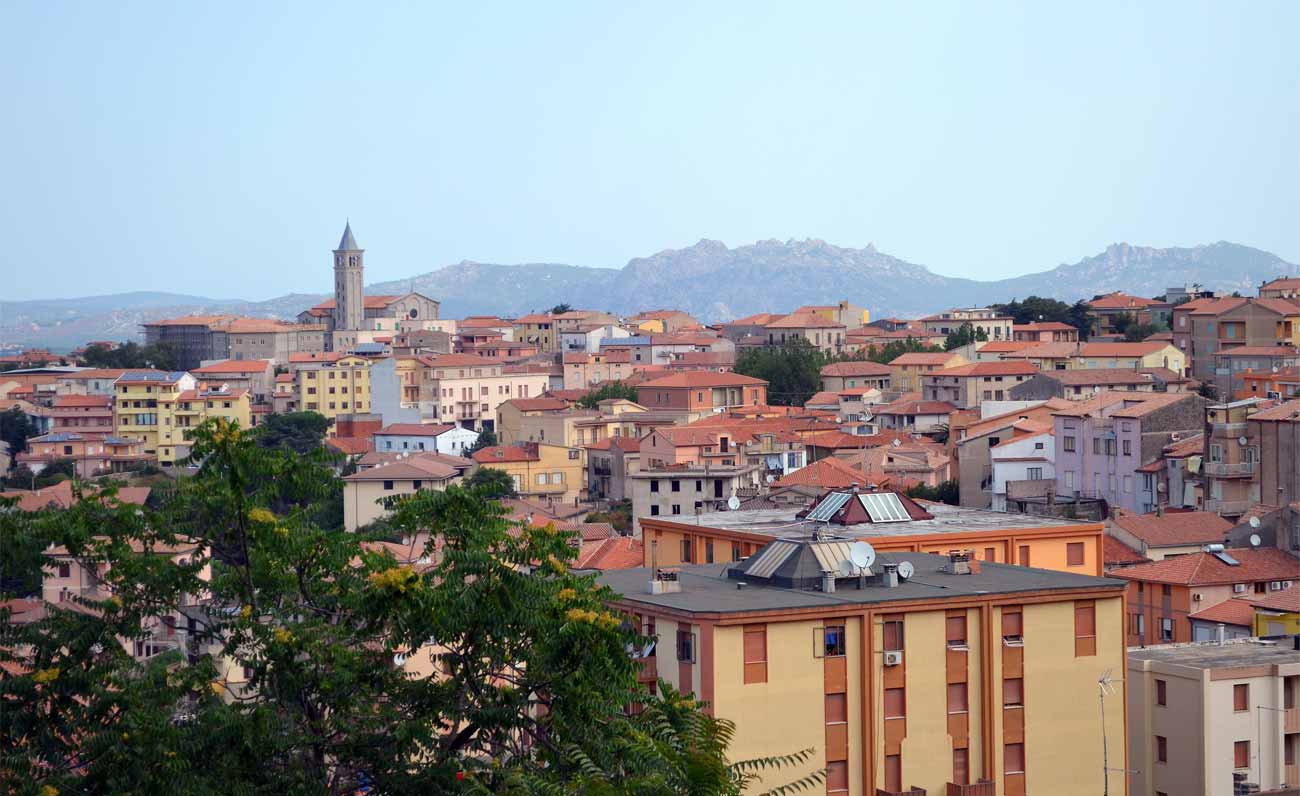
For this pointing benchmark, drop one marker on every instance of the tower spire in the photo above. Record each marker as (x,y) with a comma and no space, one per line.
(348,243)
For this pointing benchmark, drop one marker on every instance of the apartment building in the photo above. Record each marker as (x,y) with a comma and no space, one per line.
(1105,309)
(1044,332)
(257,376)
(1153,354)
(962,679)
(1020,467)
(1232,365)
(582,370)
(982,319)
(839,376)
(1282,287)
(1205,327)
(1278,432)
(1214,718)
(693,394)
(366,492)
(333,385)
(87,381)
(1230,470)
(540,470)
(909,413)
(966,386)
(432,437)
(1078,385)
(88,415)
(1101,443)
(906,370)
(685,490)
(823,333)
(90,454)
(775,452)
(589,338)
(1165,534)
(1282,383)
(140,406)
(609,462)
(1164,596)
(195,339)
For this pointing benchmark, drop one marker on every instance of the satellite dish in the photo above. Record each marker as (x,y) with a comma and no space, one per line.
(771,479)
(846,568)
(862,554)
(896,443)
(733,502)
(399,659)
(906,570)
(1254,522)
(1242,441)
(1255,540)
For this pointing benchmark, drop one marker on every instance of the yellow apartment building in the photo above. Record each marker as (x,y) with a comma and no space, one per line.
(891,522)
(333,386)
(905,371)
(540,470)
(160,409)
(932,672)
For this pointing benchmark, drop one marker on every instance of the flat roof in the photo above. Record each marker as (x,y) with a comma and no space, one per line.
(1211,655)
(707,588)
(947,519)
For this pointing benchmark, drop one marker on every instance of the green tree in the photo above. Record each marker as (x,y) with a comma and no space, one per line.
(301,432)
(946,492)
(792,371)
(560,309)
(963,335)
(619,516)
(15,429)
(607,390)
(486,439)
(492,482)
(131,355)
(1036,309)
(893,350)
(534,668)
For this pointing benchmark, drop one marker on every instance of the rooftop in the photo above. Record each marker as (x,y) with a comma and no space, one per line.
(1210,655)
(709,589)
(856,368)
(415,429)
(692,379)
(1175,528)
(1213,569)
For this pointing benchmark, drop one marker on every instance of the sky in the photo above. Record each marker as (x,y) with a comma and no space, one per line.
(217,148)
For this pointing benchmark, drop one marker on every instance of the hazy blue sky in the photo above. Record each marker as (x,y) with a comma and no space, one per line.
(216,148)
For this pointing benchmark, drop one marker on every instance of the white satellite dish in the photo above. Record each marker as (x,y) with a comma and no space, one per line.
(906,570)
(733,502)
(399,659)
(1242,441)
(862,554)
(1254,522)
(1255,541)
(847,569)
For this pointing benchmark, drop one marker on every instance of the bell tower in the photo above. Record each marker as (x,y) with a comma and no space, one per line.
(349,284)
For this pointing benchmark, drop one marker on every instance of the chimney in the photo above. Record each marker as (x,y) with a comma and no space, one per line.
(828,581)
(1218,634)
(890,577)
(1160,509)
(664,581)
(958,562)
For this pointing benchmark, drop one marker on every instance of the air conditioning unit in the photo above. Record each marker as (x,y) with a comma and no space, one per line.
(893,657)
(1238,588)
(1196,598)
(1275,585)
(1286,584)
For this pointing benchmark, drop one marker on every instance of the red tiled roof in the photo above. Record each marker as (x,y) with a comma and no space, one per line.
(760,319)
(803,320)
(1287,600)
(498,454)
(60,496)
(1289,411)
(619,552)
(1279,306)
(1043,326)
(922,358)
(415,429)
(1005,346)
(1175,528)
(350,446)
(828,473)
(1204,569)
(916,408)
(542,404)
(692,379)
(1237,611)
(371,303)
(999,368)
(823,399)
(856,368)
(1121,349)
(457,361)
(234,366)
(1282,283)
(1119,301)
(1117,553)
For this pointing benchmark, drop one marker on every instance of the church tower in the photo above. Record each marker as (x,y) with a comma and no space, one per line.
(349,287)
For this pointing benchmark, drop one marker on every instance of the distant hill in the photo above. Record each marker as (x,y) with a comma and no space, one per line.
(709,280)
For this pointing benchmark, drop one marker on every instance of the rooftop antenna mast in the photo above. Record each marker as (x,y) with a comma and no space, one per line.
(1105,688)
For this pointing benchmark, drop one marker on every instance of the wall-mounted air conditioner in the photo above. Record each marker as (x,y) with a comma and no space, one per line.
(893,657)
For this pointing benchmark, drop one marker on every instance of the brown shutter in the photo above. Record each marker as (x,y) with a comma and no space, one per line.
(1012,624)
(895,704)
(893,634)
(837,708)
(1074,554)
(1013,758)
(1024,555)
(756,654)
(956,629)
(957,698)
(1241,754)
(1013,691)
(961,767)
(1241,697)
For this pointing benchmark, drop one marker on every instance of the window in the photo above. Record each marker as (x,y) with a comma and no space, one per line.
(956,631)
(1162,749)
(65,569)
(1166,629)
(892,634)
(541,479)
(1162,693)
(837,776)
(677,486)
(833,641)
(1024,555)
(756,654)
(1074,554)
(686,550)
(1241,697)
(573,455)
(1096,446)
(1013,692)
(677,508)
(685,646)
(957,698)
(708,551)
(895,703)
(654,485)
(1128,447)
(990,554)
(735,551)
(1013,758)
(893,773)
(1241,754)
(1085,628)
(961,766)
(1034,474)
(1012,627)
(654,511)
(1067,444)
(388,485)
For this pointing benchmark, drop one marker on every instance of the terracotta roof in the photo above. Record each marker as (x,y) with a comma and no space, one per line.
(1187,446)
(457,361)
(567,395)
(827,473)
(902,407)
(1282,283)
(1204,569)
(923,358)
(417,466)
(538,404)
(1117,553)
(371,303)
(1119,301)
(1287,600)
(265,326)
(1004,346)
(234,366)
(415,429)
(498,454)
(1175,528)
(1044,351)
(999,368)
(1277,305)
(703,378)
(1258,351)
(349,446)
(831,439)
(1236,611)
(190,320)
(60,496)
(102,401)
(803,320)
(823,399)
(856,368)
(619,552)
(534,318)
(1121,349)
(759,319)
(1212,306)
(1289,411)
(1043,326)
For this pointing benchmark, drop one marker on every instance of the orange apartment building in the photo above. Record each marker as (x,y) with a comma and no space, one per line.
(693,394)
(82,414)
(1043,542)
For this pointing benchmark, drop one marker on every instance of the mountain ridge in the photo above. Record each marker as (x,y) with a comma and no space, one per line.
(710,280)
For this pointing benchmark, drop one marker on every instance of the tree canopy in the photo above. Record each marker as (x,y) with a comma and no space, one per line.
(486,439)
(792,371)
(607,390)
(301,432)
(560,309)
(1036,309)
(15,429)
(964,335)
(131,355)
(492,482)
(318,662)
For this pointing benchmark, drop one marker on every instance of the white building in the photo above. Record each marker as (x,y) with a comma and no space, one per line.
(586,339)
(1021,458)
(440,438)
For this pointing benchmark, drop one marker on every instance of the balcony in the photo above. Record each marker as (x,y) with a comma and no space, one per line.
(1228,507)
(982,788)
(1229,469)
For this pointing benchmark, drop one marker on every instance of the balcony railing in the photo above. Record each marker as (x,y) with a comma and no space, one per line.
(1227,506)
(1229,469)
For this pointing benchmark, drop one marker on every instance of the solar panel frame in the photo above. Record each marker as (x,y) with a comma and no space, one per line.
(1227,559)
(827,508)
(883,507)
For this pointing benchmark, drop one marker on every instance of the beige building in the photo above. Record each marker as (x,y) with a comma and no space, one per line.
(333,385)
(994,326)
(906,370)
(686,490)
(1207,718)
(966,386)
(539,469)
(365,491)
